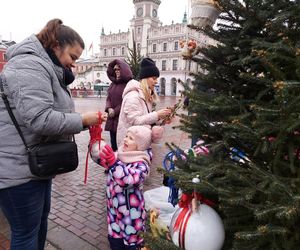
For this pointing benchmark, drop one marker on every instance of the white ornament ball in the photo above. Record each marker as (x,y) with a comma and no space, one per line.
(95,150)
(204,230)
(196,179)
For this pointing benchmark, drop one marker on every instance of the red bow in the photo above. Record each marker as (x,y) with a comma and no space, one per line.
(186,199)
(185,202)
(185,213)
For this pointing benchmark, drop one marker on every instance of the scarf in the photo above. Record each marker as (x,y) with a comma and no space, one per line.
(68,74)
(133,156)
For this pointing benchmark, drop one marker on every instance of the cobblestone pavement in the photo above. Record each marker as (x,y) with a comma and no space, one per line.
(78,211)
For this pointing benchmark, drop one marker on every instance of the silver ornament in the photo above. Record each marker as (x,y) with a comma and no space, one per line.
(96,149)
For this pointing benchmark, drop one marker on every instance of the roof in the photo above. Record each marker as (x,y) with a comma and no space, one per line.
(5,44)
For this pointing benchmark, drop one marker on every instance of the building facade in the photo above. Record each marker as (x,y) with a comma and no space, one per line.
(3,47)
(165,44)
(89,72)
(159,42)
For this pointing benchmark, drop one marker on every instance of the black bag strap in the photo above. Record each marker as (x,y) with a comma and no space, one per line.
(11,114)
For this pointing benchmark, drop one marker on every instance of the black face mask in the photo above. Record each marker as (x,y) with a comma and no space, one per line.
(69,76)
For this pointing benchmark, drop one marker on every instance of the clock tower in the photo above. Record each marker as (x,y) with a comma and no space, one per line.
(145,17)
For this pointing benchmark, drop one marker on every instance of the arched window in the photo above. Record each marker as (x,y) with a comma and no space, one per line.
(162,87)
(173,86)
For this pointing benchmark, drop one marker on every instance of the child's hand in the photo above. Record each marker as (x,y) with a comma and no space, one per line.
(107,157)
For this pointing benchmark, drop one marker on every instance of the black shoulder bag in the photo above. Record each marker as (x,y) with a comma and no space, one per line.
(49,158)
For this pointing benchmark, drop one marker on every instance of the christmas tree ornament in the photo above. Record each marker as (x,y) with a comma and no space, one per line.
(174,110)
(169,165)
(204,12)
(95,149)
(95,146)
(238,156)
(202,229)
(188,48)
(197,150)
(196,179)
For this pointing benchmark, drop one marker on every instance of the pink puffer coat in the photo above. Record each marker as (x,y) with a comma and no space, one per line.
(134,110)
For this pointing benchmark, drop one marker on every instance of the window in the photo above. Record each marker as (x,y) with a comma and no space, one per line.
(139,30)
(123,51)
(176,45)
(138,47)
(105,52)
(174,65)
(165,46)
(163,65)
(154,48)
(114,51)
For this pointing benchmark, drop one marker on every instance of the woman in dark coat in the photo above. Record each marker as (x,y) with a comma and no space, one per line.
(119,73)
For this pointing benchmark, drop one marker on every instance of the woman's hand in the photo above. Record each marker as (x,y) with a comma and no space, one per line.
(92,118)
(163,113)
(111,112)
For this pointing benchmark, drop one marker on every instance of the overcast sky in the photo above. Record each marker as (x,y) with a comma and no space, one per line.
(21,18)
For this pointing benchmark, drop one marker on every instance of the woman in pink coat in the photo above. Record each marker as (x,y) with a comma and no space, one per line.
(138,99)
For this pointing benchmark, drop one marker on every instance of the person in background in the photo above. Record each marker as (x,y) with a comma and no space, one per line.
(138,100)
(127,170)
(35,80)
(119,73)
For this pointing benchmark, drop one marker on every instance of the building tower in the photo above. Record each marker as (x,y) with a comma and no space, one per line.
(146,17)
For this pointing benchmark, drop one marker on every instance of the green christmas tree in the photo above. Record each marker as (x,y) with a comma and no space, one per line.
(246,107)
(134,59)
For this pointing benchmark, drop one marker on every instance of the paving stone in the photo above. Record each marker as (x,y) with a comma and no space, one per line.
(67,240)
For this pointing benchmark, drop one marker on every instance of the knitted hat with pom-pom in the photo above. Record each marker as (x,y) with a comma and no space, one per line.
(142,136)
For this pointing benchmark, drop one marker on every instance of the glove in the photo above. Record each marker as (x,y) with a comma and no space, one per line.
(111,113)
(107,157)
(157,133)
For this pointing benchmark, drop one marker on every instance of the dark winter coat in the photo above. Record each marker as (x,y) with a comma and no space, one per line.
(115,91)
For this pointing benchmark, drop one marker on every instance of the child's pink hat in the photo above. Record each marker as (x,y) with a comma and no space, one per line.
(144,136)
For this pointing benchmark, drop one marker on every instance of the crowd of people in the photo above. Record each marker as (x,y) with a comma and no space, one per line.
(35,81)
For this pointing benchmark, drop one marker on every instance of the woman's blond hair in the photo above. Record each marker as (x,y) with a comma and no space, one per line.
(150,95)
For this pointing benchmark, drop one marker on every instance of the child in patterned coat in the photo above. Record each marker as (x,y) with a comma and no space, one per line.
(127,170)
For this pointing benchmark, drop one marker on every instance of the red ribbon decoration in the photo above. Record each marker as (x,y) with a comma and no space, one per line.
(186,199)
(185,213)
(95,135)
